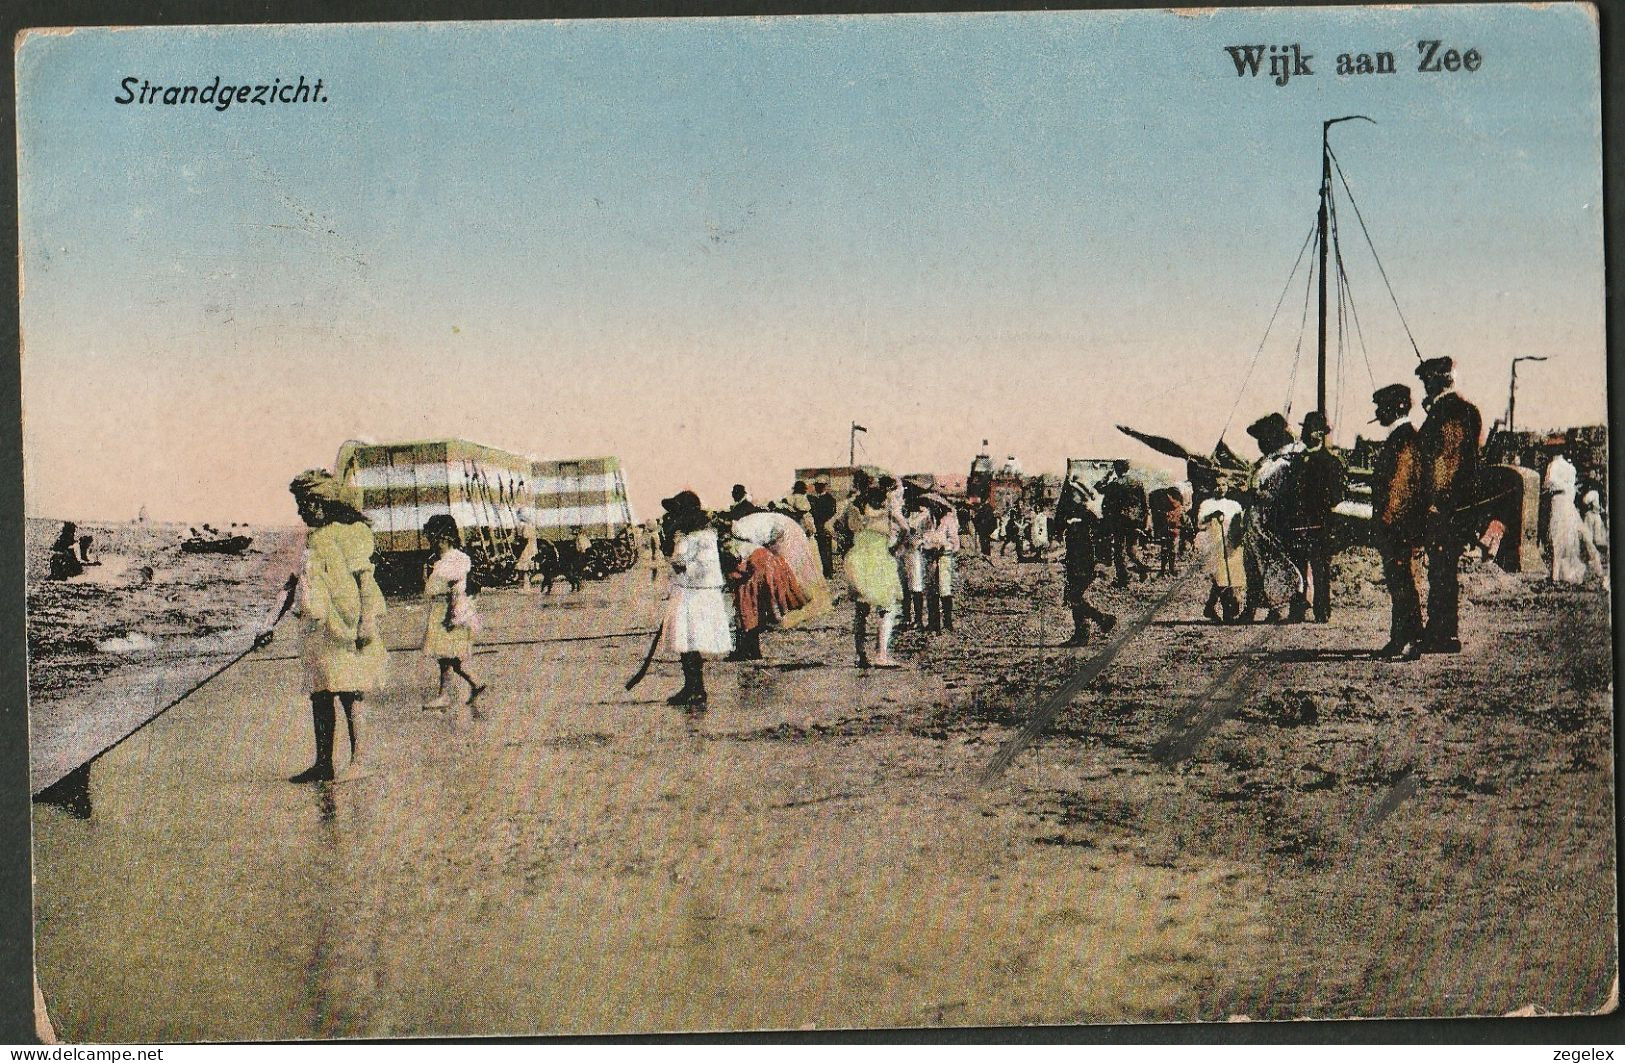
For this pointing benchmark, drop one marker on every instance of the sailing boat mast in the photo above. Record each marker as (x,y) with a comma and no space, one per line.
(1325,209)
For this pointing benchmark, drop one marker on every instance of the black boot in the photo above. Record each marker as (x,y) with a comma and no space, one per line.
(919,609)
(860,636)
(908,603)
(1210,610)
(933,614)
(324,721)
(948,612)
(1229,605)
(1080,626)
(748,648)
(697,699)
(685,695)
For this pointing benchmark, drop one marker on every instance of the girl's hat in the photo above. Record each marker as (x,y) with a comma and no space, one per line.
(682,502)
(441,526)
(325,487)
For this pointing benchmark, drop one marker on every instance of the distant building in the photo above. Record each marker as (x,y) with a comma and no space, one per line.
(839,476)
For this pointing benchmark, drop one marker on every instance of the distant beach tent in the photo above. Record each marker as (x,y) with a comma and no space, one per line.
(585,493)
(491,494)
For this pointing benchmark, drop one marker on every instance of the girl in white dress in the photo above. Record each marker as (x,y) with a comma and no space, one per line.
(696,621)
(448,634)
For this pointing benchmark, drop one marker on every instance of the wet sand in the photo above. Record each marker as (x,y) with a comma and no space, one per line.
(1230,821)
(112,647)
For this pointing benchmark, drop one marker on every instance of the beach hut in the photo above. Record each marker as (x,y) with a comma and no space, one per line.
(404,484)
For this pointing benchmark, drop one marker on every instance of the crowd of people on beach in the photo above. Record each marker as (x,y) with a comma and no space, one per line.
(1266,539)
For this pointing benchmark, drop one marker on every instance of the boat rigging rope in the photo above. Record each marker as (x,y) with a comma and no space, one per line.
(1354,311)
(1342,331)
(1367,233)
(1307,241)
(1303,325)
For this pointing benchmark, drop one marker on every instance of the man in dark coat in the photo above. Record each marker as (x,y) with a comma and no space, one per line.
(823,514)
(1396,514)
(986,522)
(1322,484)
(742,505)
(1079,525)
(1448,444)
(1126,509)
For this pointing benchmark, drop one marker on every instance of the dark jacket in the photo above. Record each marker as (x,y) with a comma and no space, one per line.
(823,509)
(1124,501)
(1321,485)
(1397,501)
(1448,443)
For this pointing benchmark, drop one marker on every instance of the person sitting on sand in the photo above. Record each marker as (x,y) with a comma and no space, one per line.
(341,607)
(65,562)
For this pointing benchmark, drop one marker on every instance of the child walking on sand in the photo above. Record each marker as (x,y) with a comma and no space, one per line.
(452,620)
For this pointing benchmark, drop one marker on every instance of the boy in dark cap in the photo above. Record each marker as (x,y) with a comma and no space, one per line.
(1322,485)
(1078,523)
(1448,443)
(1396,514)
(823,506)
(1126,508)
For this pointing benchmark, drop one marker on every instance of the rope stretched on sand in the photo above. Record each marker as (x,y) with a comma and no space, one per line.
(1080,679)
(488,646)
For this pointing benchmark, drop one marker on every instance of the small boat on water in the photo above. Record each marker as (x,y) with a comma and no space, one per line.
(235,544)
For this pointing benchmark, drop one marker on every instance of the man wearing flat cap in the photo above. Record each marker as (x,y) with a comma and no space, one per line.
(1448,444)
(1323,483)
(1397,504)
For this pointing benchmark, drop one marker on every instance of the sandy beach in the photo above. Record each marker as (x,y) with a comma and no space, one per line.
(1237,821)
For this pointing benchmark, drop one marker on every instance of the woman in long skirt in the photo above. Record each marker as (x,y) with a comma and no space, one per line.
(1274,581)
(765,592)
(696,621)
(781,534)
(1565,528)
(340,606)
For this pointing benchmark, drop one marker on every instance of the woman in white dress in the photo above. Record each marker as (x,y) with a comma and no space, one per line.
(696,620)
(1564,527)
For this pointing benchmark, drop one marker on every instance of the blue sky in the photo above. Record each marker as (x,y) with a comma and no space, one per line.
(707,245)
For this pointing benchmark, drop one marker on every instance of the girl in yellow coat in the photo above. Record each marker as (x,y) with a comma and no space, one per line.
(340,606)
